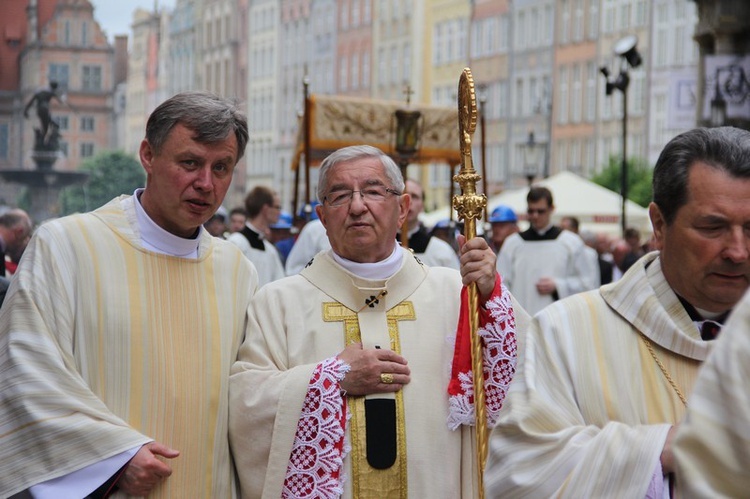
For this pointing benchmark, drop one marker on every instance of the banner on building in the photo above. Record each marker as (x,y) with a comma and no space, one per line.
(727,79)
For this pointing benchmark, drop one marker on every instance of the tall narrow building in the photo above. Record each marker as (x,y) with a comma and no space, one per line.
(573,125)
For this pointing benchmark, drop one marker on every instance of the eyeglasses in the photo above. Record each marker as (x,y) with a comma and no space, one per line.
(374,194)
(538,211)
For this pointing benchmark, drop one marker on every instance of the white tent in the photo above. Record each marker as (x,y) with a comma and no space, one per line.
(596,207)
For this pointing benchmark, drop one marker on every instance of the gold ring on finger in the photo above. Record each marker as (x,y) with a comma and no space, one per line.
(386,378)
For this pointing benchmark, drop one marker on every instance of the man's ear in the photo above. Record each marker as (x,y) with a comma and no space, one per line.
(146,153)
(404,204)
(658,223)
(321,213)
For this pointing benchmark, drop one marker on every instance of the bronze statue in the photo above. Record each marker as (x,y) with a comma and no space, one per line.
(42,99)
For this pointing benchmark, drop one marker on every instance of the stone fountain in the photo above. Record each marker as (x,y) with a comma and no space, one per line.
(44,182)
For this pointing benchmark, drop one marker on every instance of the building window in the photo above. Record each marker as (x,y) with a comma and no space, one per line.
(4,140)
(406,62)
(519,98)
(578,21)
(343,72)
(504,33)
(60,74)
(591,91)
(501,94)
(355,13)
(641,13)
(437,45)
(87,123)
(367,12)
(535,21)
(366,70)
(355,71)
(381,66)
(63,122)
(91,78)
(575,98)
(565,22)
(64,148)
(394,66)
(521,31)
(87,149)
(593,20)
(562,114)
(344,15)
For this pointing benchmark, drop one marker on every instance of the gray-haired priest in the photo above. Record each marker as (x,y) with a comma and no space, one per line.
(343,387)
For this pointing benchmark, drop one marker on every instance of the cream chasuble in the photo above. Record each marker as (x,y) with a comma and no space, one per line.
(589,410)
(712,447)
(300,321)
(105,346)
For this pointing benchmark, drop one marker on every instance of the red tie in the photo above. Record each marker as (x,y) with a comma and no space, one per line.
(710,330)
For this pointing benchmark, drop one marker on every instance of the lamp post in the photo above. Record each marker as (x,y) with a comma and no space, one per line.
(530,159)
(625,48)
(483,146)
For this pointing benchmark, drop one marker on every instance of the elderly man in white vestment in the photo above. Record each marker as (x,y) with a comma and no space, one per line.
(712,446)
(121,326)
(604,376)
(345,386)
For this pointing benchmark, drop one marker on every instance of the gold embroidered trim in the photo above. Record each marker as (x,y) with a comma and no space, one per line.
(367,481)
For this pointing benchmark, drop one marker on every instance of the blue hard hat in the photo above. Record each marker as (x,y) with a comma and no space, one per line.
(503,213)
(284,221)
(313,213)
(443,224)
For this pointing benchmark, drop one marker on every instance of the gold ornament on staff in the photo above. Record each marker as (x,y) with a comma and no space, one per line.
(470,207)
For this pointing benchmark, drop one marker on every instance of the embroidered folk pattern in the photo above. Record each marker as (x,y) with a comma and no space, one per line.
(499,355)
(316,462)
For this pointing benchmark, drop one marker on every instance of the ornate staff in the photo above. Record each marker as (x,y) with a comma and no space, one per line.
(470,206)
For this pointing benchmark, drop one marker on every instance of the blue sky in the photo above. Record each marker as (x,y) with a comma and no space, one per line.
(115,16)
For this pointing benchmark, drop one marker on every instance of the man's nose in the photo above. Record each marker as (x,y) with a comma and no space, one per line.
(204,179)
(737,246)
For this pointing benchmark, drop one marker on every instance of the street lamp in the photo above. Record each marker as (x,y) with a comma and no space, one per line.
(530,158)
(406,145)
(408,131)
(626,49)
(482,97)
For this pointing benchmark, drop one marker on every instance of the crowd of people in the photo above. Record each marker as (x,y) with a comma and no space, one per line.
(271,236)
(163,346)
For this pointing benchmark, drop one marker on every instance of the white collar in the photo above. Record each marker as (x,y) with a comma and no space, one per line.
(155,238)
(544,230)
(378,270)
(255,229)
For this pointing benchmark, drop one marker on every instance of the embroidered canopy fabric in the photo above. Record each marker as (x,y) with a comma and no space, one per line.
(337,122)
